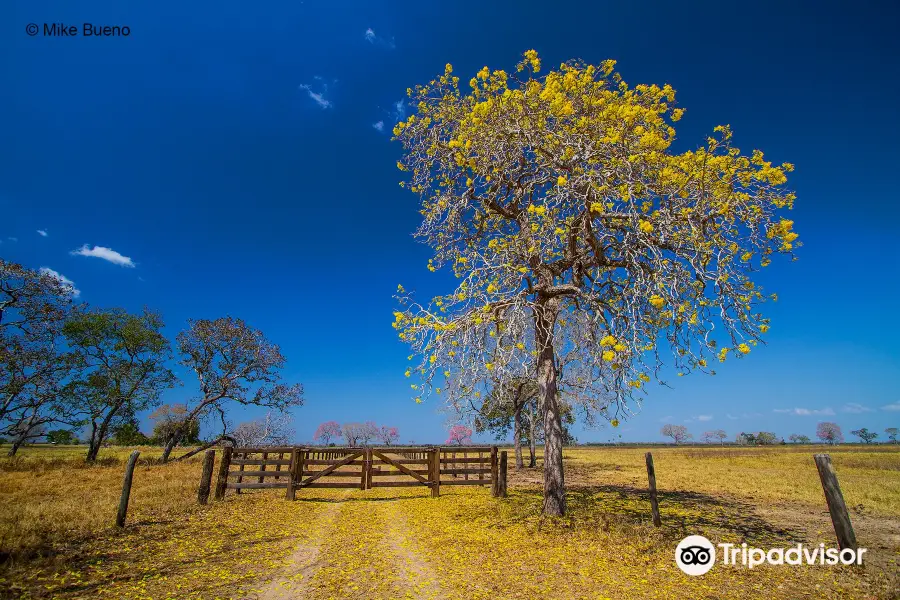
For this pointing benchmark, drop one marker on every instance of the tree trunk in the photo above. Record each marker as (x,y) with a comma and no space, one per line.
(15,447)
(517,435)
(170,445)
(93,444)
(554,482)
(101,433)
(532,442)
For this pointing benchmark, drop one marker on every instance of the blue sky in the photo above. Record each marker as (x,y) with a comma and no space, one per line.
(228,149)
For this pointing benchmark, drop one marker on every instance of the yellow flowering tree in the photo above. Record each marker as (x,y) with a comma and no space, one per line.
(579,238)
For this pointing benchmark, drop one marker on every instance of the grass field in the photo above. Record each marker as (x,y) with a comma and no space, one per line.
(57,539)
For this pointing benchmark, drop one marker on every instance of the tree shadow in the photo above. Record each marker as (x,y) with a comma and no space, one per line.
(682,513)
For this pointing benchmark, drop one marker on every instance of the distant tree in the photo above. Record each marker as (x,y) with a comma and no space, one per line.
(798,439)
(502,411)
(352,433)
(460,435)
(892,433)
(128,433)
(830,433)
(746,439)
(865,435)
(327,431)
(63,437)
(388,435)
(171,420)
(368,432)
(273,429)
(766,438)
(229,357)
(678,433)
(715,435)
(123,360)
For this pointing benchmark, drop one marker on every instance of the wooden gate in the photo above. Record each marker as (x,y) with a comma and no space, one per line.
(332,464)
(293,468)
(410,468)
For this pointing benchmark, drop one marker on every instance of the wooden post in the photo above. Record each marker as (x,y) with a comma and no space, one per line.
(298,475)
(206,476)
(224,465)
(654,503)
(290,492)
(840,518)
(494,469)
(465,466)
(501,481)
(435,456)
(240,478)
(262,467)
(126,489)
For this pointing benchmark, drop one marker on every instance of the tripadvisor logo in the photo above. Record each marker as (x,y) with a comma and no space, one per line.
(696,555)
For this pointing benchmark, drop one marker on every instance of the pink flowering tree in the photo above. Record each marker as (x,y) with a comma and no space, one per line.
(829,433)
(460,435)
(327,431)
(388,435)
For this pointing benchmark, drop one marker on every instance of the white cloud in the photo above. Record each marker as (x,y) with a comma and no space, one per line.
(318,97)
(804,412)
(893,406)
(731,417)
(399,110)
(62,279)
(667,418)
(853,407)
(13,239)
(376,40)
(704,418)
(42,232)
(107,254)
(379,125)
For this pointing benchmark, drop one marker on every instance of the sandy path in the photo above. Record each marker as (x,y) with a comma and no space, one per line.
(388,545)
(305,559)
(413,567)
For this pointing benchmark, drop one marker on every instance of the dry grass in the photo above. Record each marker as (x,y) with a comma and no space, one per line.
(57,538)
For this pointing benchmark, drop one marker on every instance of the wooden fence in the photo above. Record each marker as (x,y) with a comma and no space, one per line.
(292,468)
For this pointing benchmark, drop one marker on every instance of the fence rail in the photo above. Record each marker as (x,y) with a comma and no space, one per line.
(297,467)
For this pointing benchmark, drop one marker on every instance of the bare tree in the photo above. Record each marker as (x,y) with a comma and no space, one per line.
(368,432)
(678,433)
(715,435)
(272,430)
(574,229)
(388,435)
(228,357)
(352,433)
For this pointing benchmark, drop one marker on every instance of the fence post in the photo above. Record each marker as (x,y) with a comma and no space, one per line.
(240,478)
(840,518)
(494,470)
(224,465)
(126,489)
(297,476)
(262,467)
(501,481)
(435,456)
(654,503)
(289,493)
(206,476)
